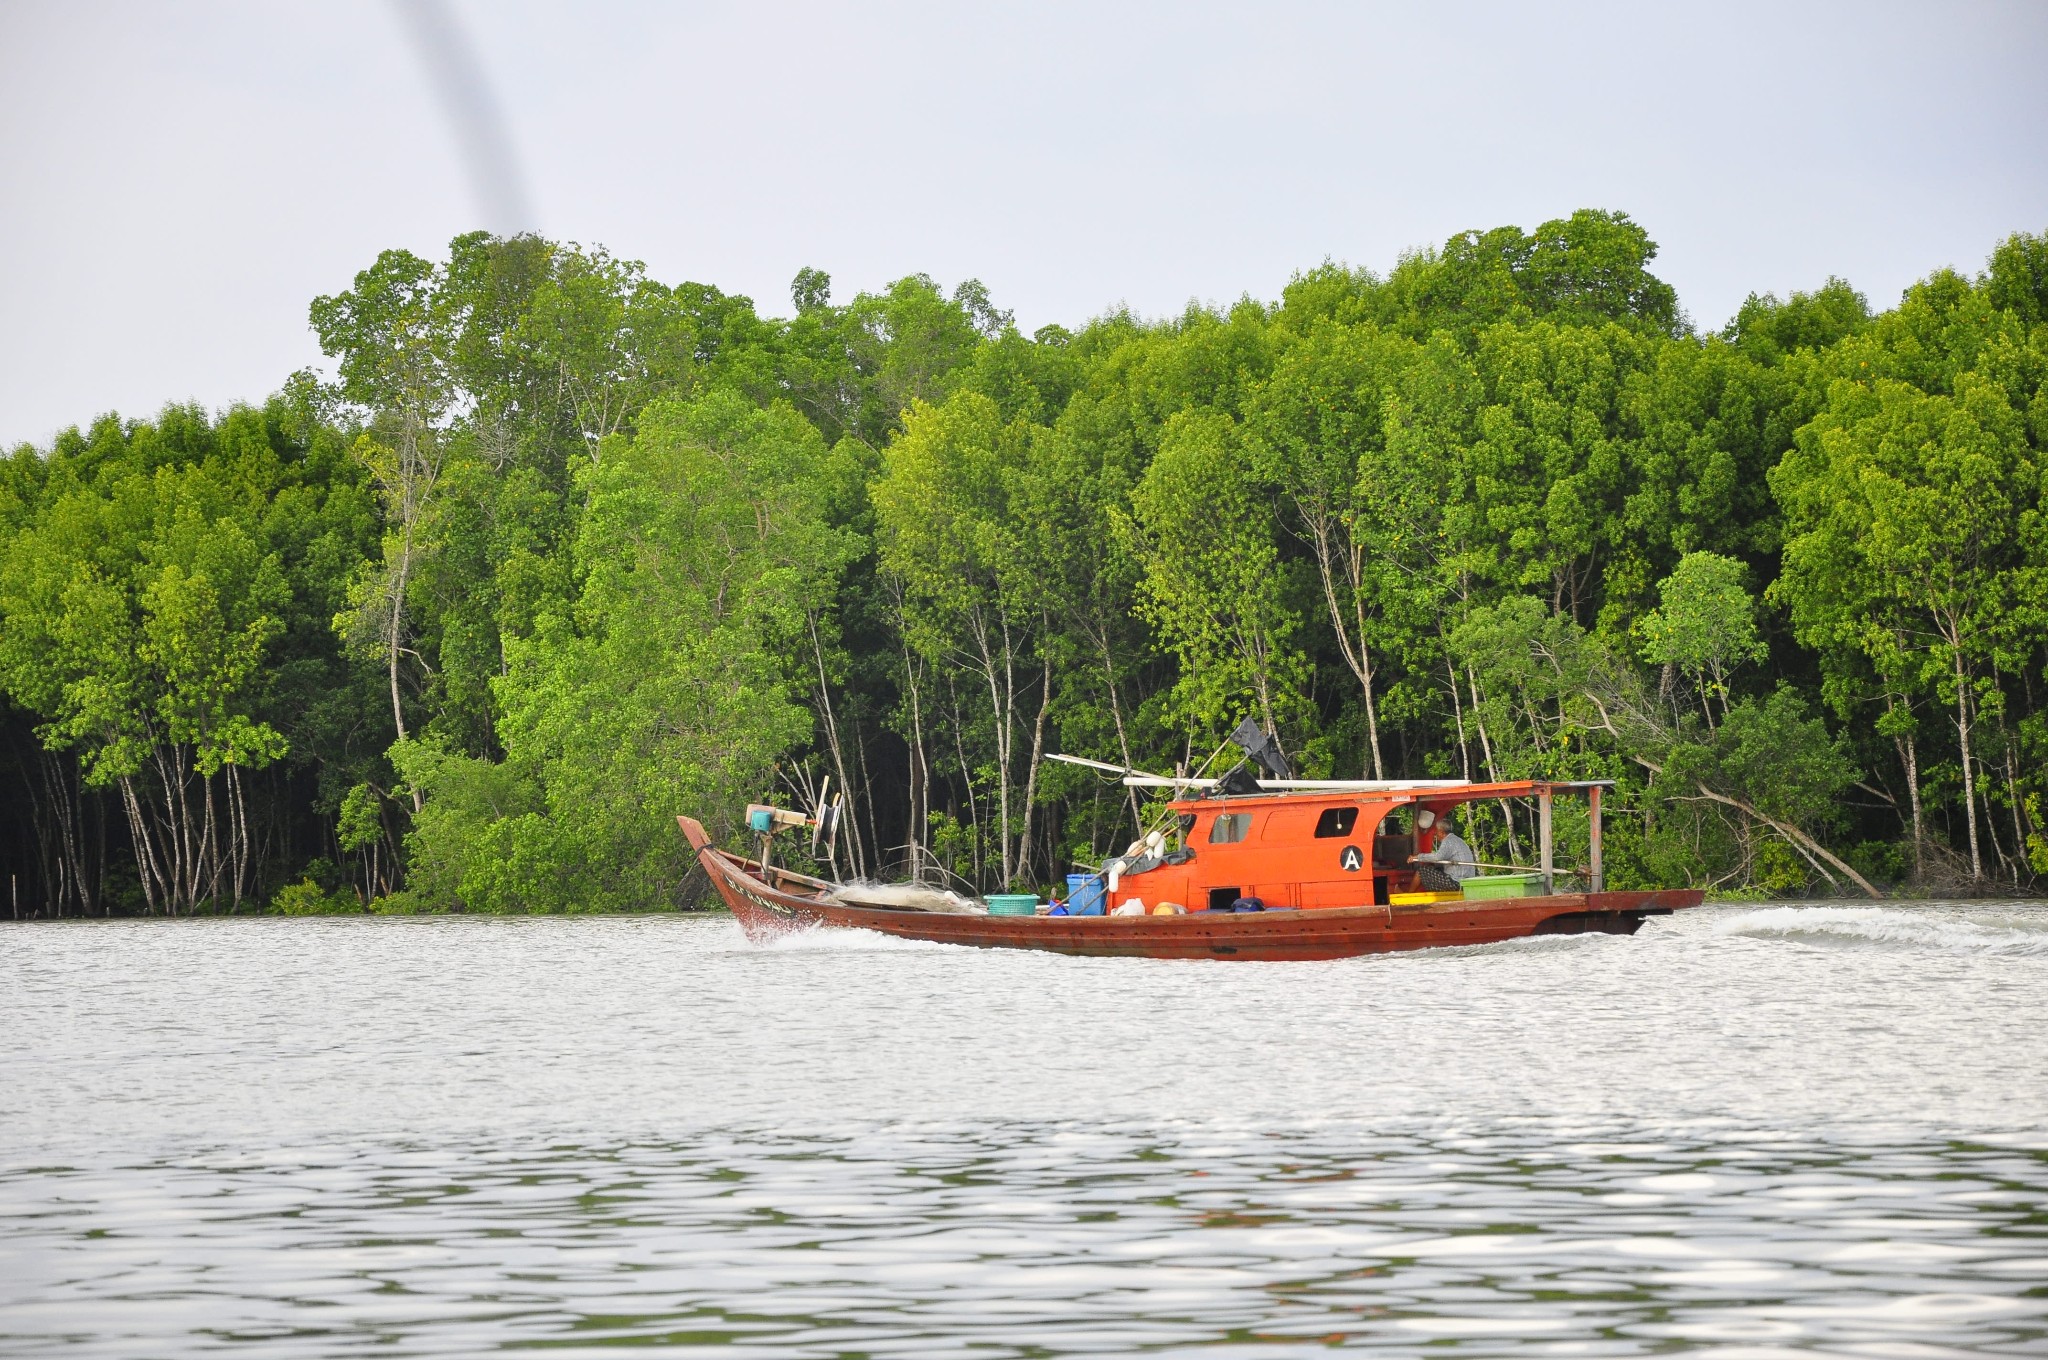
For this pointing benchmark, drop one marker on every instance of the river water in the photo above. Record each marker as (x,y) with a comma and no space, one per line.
(1750,1131)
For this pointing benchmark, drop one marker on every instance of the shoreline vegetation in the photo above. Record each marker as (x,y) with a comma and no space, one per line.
(556,551)
(316,903)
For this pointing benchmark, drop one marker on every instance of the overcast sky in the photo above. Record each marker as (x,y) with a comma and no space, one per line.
(182,179)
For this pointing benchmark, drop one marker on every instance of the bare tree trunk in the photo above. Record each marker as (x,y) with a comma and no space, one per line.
(967,782)
(190,847)
(2005,863)
(1255,645)
(1265,695)
(1479,721)
(209,840)
(49,856)
(391,649)
(1031,773)
(863,796)
(1000,695)
(1909,756)
(2012,789)
(146,862)
(100,863)
(43,827)
(1350,636)
(1492,770)
(394,641)
(58,810)
(832,741)
(180,854)
(1799,840)
(238,841)
(1458,711)
(1372,714)
(84,873)
(171,862)
(921,770)
(416,475)
(1116,714)
(1805,844)
(1969,776)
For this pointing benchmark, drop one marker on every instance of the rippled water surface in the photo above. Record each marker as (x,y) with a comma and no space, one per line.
(1754,1131)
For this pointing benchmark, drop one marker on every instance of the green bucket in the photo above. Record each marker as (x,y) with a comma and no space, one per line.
(1013,904)
(1502,885)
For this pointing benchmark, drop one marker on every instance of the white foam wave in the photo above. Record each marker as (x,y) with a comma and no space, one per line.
(1894,928)
(838,940)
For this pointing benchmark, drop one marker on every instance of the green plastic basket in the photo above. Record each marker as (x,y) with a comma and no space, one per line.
(1013,904)
(1487,886)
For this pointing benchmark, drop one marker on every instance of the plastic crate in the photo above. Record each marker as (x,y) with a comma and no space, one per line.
(1488,886)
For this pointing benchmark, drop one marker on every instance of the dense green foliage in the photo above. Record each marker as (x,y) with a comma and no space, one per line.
(560,551)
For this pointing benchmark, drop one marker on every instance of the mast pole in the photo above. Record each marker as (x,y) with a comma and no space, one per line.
(1599,877)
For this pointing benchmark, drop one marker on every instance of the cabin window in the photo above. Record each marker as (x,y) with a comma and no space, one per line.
(1336,822)
(1229,827)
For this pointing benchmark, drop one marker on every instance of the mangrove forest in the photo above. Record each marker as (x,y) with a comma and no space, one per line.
(550,551)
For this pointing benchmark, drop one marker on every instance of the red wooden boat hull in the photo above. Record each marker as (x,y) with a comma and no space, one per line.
(784,901)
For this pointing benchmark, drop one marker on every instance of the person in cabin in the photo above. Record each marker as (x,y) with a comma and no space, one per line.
(1450,861)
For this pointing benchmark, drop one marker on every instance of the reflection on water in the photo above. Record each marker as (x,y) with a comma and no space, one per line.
(1034,1241)
(1775,1131)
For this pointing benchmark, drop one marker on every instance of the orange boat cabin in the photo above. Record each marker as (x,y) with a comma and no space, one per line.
(1319,849)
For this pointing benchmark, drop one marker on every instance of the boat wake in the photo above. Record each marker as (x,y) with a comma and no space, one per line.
(821,940)
(1931,929)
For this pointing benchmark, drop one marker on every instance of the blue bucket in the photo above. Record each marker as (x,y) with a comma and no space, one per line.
(1086,894)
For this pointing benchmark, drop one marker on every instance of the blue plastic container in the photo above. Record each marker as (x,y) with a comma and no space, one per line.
(1086,894)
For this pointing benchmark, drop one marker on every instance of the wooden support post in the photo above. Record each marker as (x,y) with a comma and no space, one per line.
(1543,837)
(1599,877)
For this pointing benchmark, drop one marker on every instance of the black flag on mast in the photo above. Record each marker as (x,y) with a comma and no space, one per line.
(1263,750)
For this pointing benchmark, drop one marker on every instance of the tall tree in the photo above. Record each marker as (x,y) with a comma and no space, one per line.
(1912,516)
(136,624)
(392,334)
(1202,523)
(940,505)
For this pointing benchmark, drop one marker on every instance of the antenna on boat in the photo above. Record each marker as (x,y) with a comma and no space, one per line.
(1101,765)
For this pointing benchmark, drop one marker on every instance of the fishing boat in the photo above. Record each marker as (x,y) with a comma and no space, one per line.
(1248,868)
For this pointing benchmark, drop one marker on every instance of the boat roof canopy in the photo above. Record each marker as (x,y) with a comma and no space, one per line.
(1368,790)
(1382,790)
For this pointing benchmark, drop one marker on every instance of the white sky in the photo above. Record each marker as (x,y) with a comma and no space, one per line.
(181,180)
